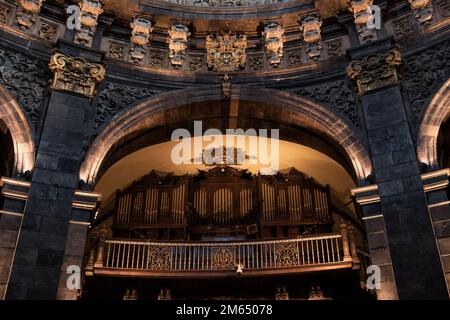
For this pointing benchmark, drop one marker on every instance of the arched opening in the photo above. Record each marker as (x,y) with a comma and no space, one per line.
(206,222)
(6,151)
(432,141)
(19,132)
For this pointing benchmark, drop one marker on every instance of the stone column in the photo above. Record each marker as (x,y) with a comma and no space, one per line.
(412,245)
(48,217)
(15,193)
(83,206)
(368,200)
(435,185)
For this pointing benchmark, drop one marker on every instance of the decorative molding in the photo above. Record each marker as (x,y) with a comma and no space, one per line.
(226,51)
(75,74)
(375,71)
(90,11)
(141,28)
(47,31)
(295,58)
(117,97)
(178,44)
(337,96)
(226,86)
(25,79)
(363,15)
(4,13)
(116,51)
(423,10)
(28,12)
(335,48)
(273,37)
(366,195)
(310,26)
(423,74)
(196,63)
(256,63)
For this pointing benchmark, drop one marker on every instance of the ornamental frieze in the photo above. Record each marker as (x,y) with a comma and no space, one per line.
(375,71)
(75,74)
(226,51)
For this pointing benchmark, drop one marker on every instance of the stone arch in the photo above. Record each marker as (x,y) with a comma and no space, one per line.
(301,111)
(436,113)
(16,121)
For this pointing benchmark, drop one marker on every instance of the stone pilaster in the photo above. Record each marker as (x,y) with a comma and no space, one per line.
(412,246)
(83,207)
(435,185)
(368,200)
(47,235)
(15,194)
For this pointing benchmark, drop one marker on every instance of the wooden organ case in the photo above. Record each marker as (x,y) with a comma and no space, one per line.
(224,204)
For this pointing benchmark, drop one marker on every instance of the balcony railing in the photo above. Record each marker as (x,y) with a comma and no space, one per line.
(215,258)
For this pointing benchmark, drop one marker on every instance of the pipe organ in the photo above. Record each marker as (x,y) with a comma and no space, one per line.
(221,200)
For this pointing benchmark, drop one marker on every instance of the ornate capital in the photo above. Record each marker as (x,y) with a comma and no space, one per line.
(75,74)
(140,37)
(423,10)
(362,11)
(375,71)
(226,51)
(273,42)
(179,35)
(27,13)
(310,25)
(90,10)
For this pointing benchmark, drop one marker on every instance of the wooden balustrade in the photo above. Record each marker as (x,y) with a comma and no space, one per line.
(250,256)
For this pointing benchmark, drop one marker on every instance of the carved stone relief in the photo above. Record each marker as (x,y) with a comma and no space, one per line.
(256,63)
(273,42)
(226,51)
(28,12)
(363,15)
(90,11)
(310,25)
(335,48)
(117,97)
(116,51)
(295,58)
(141,28)
(47,31)
(25,79)
(178,42)
(4,12)
(196,63)
(423,10)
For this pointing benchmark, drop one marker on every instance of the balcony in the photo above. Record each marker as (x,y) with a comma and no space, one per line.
(220,259)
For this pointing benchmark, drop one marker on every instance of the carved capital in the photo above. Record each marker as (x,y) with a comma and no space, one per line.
(27,13)
(423,10)
(375,71)
(310,26)
(226,51)
(273,42)
(141,28)
(90,10)
(178,43)
(75,74)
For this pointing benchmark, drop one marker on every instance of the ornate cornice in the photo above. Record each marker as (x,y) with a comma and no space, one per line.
(375,71)
(75,74)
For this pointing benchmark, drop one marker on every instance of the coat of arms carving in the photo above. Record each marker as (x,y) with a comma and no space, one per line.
(226,51)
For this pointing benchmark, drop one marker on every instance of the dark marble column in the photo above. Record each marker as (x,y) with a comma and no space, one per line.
(48,216)
(14,193)
(436,188)
(413,250)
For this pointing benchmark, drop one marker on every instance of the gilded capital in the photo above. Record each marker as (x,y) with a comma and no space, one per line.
(375,71)
(75,74)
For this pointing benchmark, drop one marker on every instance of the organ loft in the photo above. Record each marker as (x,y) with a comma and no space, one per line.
(320,171)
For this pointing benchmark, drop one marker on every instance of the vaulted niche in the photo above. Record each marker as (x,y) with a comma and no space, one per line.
(149,196)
